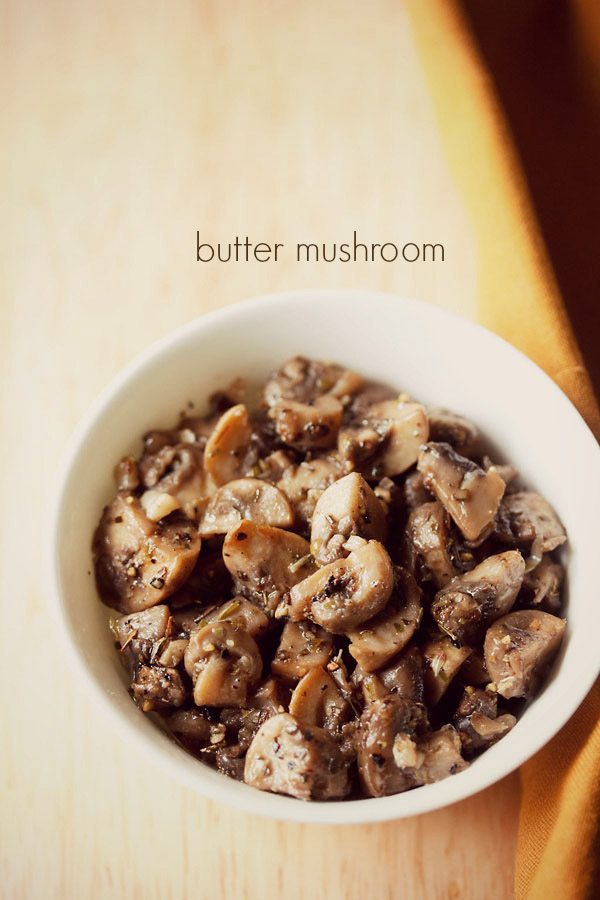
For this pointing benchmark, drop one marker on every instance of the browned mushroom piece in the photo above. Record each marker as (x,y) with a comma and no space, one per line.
(305,380)
(127,475)
(224,663)
(449,428)
(519,648)
(149,625)
(303,646)
(247,498)
(377,640)
(525,516)
(471,602)
(404,676)
(442,661)
(346,509)
(506,472)
(368,684)
(308,426)
(405,427)
(470,495)
(415,492)
(266,562)
(477,720)
(542,586)
(288,757)
(191,727)
(359,446)
(347,592)
(317,700)
(157,687)
(473,670)
(384,724)
(303,484)
(240,612)
(139,563)
(442,755)
(171,652)
(174,478)
(428,532)
(228,445)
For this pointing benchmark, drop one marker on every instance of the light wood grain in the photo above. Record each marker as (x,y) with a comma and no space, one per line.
(125,128)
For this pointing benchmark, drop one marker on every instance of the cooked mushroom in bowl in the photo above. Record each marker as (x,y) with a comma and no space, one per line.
(333,592)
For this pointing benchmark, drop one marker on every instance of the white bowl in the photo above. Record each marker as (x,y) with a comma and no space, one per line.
(436,357)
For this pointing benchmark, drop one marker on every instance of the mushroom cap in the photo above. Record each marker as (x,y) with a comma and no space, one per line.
(228,445)
(246,498)
(265,562)
(471,602)
(470,495)
(303,761)
(224,662)
(378,640)
(348,507)
(347,592)
(380,723)
(139,563)
(303,646)
(519,647)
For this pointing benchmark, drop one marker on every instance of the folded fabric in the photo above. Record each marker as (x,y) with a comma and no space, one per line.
(518,298)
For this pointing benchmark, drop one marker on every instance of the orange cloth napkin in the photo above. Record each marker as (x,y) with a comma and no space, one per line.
(558,842)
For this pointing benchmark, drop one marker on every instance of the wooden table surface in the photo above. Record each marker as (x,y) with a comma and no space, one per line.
(125,128)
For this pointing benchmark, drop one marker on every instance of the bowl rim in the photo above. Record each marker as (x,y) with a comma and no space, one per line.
(236,794)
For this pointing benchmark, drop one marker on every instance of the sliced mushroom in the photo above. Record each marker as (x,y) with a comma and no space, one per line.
(228,445)
(369,684)
(449,428)
(471,602)
(428,531)
(441,755)
(442,660)
(405,676)
(526,516)
(191,727)
(305,380)
(477,720)
(266,562)
(149,625)
(317,700)
(303,484)
(287,757)
(382,724)
(303,646)
(415,492)
(542,586)
(379,639)
(140,563)
(172,653)
(347,592)
(348,507)
(224,663)
(359,446)
(469,494)
(247,498)
(405,427)
(157,687)
(240,612)
(519,648)
(175,471)
(308,426)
